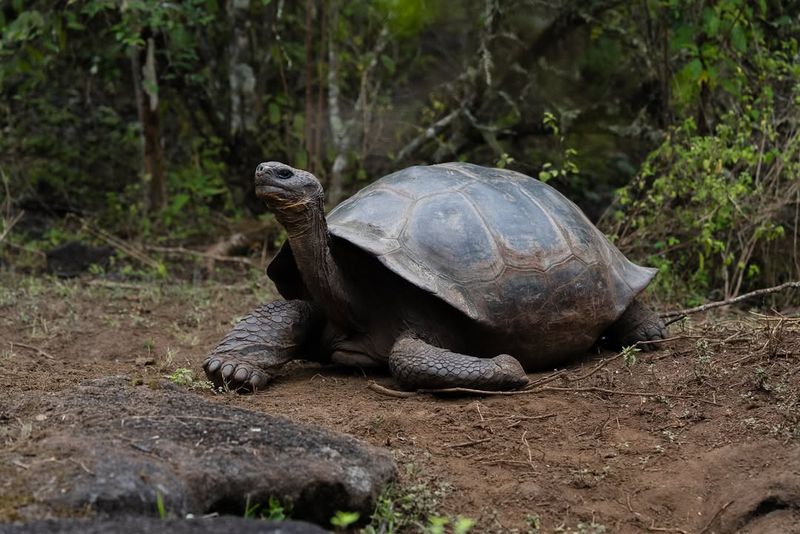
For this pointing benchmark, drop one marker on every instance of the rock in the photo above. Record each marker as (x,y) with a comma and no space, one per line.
(109,447)
(73,258)
(151,525)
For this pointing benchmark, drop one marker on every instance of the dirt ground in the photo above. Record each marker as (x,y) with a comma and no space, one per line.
(699,436)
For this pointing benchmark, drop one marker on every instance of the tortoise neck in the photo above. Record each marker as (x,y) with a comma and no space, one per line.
(311,246)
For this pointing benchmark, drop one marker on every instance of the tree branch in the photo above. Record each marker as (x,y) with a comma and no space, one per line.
(728,302)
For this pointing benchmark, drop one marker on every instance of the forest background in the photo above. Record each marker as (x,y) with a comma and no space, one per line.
(672,123)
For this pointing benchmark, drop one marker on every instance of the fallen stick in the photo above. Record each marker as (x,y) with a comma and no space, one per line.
(119,244)
(374,386)
(406,394)
(10,225)
(467,443)
(199,254)
(594,389)
(35,349)
(734,300)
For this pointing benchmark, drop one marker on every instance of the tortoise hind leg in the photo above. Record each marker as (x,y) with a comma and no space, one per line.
(271,335)
(637,323)
(416,364)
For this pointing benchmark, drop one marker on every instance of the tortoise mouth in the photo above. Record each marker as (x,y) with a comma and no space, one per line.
(266,189)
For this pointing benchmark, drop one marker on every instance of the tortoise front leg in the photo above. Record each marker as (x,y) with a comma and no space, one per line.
(273,334)
(419,365)
(637,323)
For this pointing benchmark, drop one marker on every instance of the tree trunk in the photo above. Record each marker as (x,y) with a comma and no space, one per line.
(339,132)
(241,77)
(146,92)
(308,119)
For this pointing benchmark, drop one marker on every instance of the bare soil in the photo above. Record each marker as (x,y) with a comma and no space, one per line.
(701,435)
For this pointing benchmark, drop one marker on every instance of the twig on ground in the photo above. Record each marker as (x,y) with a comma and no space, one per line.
(81,465)
(593,389)
(675,319)
(374,386)
(119,244)
(198,254)
(777,317)
(405,394)
(527,446)
(719,512)
(596,368)
(510,462)
(521,417)
(467,443)
(546,379)
(118,285)
(653,528)
(734,300)
(31,347)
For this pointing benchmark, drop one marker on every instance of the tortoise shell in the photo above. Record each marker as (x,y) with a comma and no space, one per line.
(505,249)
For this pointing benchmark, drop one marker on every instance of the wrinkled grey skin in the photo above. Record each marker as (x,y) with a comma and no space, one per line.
(452,275)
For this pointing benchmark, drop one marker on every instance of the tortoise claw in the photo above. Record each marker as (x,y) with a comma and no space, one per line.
(227,370)
(212,365)
(258,380)
(234,374)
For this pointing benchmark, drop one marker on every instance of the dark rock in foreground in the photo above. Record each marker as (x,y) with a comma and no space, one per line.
(108,447)
(152,525)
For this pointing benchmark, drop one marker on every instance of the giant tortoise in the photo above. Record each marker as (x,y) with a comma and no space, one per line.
(453,275)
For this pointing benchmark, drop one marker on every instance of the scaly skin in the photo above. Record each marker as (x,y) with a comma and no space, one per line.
(248,356)
(637,323)
(416,364)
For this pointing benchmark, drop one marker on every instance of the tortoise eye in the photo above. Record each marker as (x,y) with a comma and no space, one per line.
(284,174)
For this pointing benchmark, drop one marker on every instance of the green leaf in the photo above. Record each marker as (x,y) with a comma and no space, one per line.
(274,113)
(388,63)
(344,519)
(683,37)
(738,38)
(711,22)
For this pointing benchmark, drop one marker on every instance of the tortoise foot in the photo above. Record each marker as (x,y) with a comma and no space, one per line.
(235,374)
(638,323)
(248,356)
(418,365)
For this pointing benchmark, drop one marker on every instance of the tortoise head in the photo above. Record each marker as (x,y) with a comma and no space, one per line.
(286,190)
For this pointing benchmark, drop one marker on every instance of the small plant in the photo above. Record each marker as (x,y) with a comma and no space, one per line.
(162,509)
(504,161)
(761,380)
(437,524)
(568,165)
(629,356)
(590,528)
(405,508)
(462,525)
(534,523)
(185,377)
(250,509)
(276,511)
(342,520)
